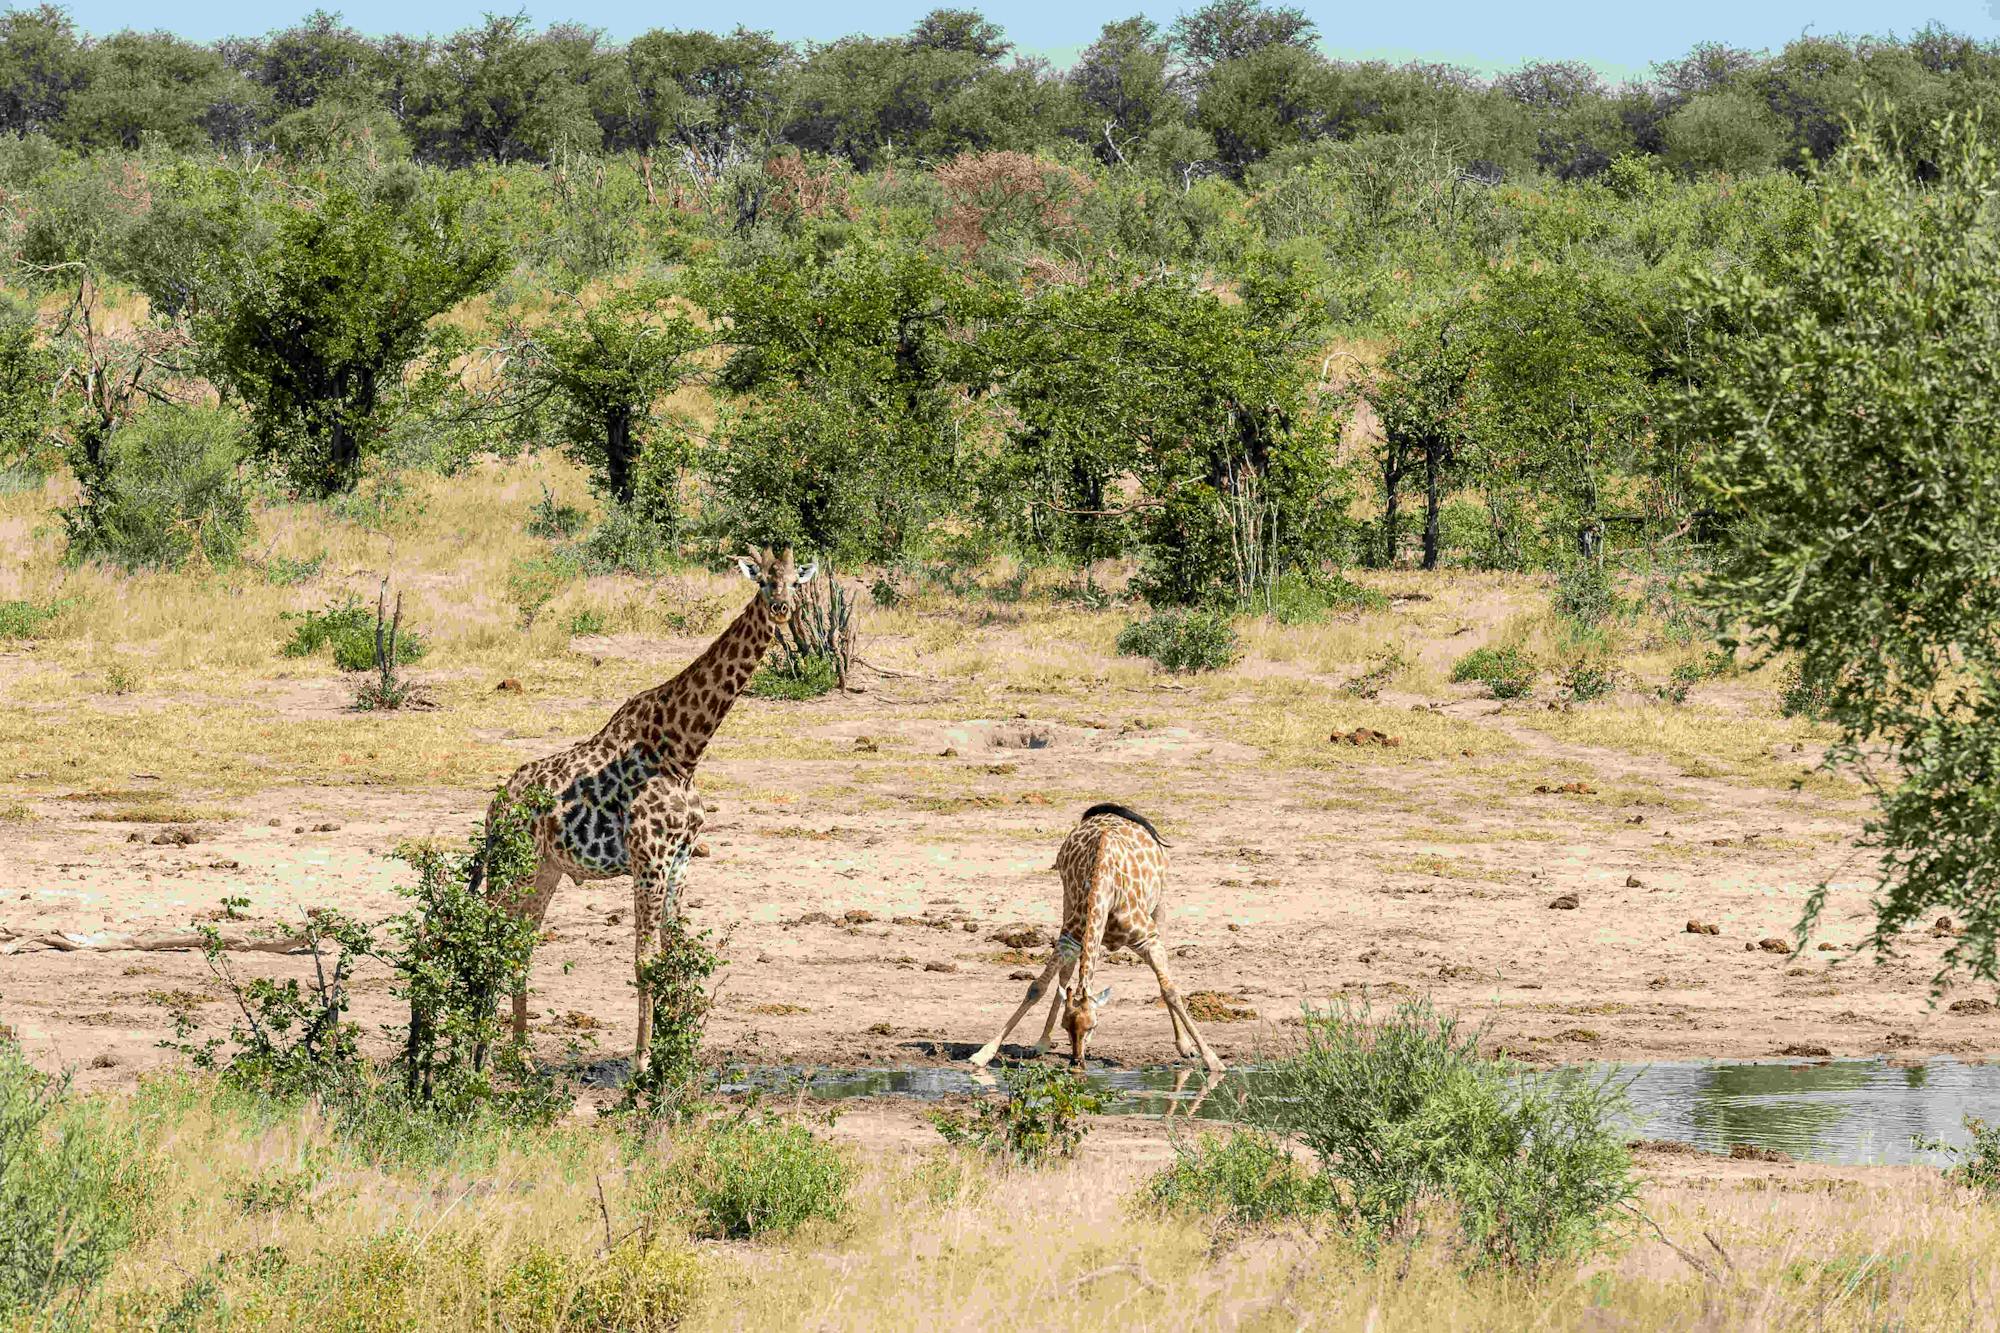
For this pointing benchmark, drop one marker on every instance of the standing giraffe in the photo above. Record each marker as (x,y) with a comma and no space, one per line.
(1114,870)
(625,800)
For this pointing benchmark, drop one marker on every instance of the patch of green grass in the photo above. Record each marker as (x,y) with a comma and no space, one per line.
(759,1175)
(1506,672)
(30,620)
(282,571)
(1182,640)
(1248,1177)
(808,678)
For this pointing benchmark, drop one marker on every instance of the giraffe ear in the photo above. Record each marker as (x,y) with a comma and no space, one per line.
(1101,996)
(749,568)
(1062,993)
(805,575)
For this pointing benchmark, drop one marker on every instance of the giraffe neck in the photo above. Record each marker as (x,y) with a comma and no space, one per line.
(678,719)
(1094,913)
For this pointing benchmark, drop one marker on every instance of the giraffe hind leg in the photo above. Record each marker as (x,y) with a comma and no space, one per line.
(656,887)
(535,905)
(1175,1004)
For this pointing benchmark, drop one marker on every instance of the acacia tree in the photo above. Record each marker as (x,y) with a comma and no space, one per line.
(312,329)
(601,370)
(1848,398)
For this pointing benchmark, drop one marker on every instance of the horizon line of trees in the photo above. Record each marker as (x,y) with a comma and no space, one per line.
(1226,88)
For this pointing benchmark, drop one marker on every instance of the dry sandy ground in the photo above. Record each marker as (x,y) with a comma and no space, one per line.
(868,846)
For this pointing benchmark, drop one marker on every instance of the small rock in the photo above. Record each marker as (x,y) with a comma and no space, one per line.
(1022,974)
(815,919)
(1773,944)
(1020,935)
(1703,928)
(180,835)
(948,752)
(1972,1006)
(865,745)
(1750,1152)
(104,1060)
(1806,1050)
(1234,926)
(1568,902)
(1825,947)
(701,849)
(855,916)
(276,823)
(1632,882)
(508,686)
(940,967)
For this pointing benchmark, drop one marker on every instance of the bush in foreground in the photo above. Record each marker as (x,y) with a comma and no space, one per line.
(1040,1118)
(1248,1177)
(163,492)
(758,1175)
(1182,640)
(1407,1119)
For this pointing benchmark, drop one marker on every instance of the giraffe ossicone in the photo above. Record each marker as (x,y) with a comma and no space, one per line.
(625,800)
(1114,874)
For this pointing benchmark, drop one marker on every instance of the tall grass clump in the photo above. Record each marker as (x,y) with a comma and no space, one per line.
(1182,640)
(757,1174)
(70,1190)
(1416,1131)
(1040,1119)
(162,492)
(1506,672)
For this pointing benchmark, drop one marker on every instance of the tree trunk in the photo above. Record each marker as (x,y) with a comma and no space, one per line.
(343,459)
(618,453)
(1433,468)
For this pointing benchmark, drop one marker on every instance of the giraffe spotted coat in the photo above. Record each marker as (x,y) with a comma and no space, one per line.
(1114,876)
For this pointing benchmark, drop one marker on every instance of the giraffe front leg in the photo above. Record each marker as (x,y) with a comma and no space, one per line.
(1055,1001)
(1035,990)
(1176,1005)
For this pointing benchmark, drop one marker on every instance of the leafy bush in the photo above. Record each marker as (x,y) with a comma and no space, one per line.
(1305,599)
(349,627)
(1977,1166)
(627,540)
(801,678)
(676,980)
(586,620)
(1248,1177)
(1040,1117)
(163,490)
(1803,694)
(1182,640)
(758,1175)
(1406,1113)
(647,1288)
(387,690)
(68,1192)
(1680,681)
(1506,672)
(29,620)
(282,571)
(1586,593)
(550,517)
(1587,679)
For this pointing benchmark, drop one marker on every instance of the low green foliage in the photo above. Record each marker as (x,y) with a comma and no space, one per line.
(676,980)
(1588,679)
(759,1175)
(1301,599)
(1977,1165)
(282,571)
(1405,1115)
(627,540)
(161,492)
(1182,640)
(30,620)
(70,1188)
(806,677)
(1586,593)
(1248,1177)
(1506,672)
(1040,1118)
(550,517)
(586,620)
(349,628)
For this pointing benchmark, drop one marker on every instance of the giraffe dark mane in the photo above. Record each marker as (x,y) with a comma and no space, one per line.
(1111,808)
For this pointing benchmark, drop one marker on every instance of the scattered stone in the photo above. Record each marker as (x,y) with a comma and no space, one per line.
(1022,974)
(940,967)
(701,849)
(1972,1006)
(1827,947)
(1703,928)
(1020,935)
(1568,902)
(865,745)
(856,916)
(1772,944)
(881,1030)
(948,752)
(1806,1051)
(104,1060)
(969,927)
(815,919)
(1366,736)
(179,835)
(1584,1035)
(1632,882)
(1566,789)
(508,686)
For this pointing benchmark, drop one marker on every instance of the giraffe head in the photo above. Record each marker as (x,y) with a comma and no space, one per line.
(778,579)
(1080,1016)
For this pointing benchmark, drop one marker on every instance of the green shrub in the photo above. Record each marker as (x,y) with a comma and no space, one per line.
(1182,640)
(349,627)
(1802,694)
(281,571)
(164,491)
(586,620)
(801,678)
(1586,593)
(1040,1117)
(758,1175)
(1977,1165)
(626,540)
(1305,599)
(1505,672)
(29,620)
(677,984)
(69,1190)
(550,517)
(1248,1177)
(1588,679)
(1406,1114)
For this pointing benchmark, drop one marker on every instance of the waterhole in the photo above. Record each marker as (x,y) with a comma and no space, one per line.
(1843,1112)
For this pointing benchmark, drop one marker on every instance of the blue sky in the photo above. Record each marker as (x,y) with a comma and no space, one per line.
(1622,40)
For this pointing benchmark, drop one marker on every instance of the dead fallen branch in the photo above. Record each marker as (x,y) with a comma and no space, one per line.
(145,941)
